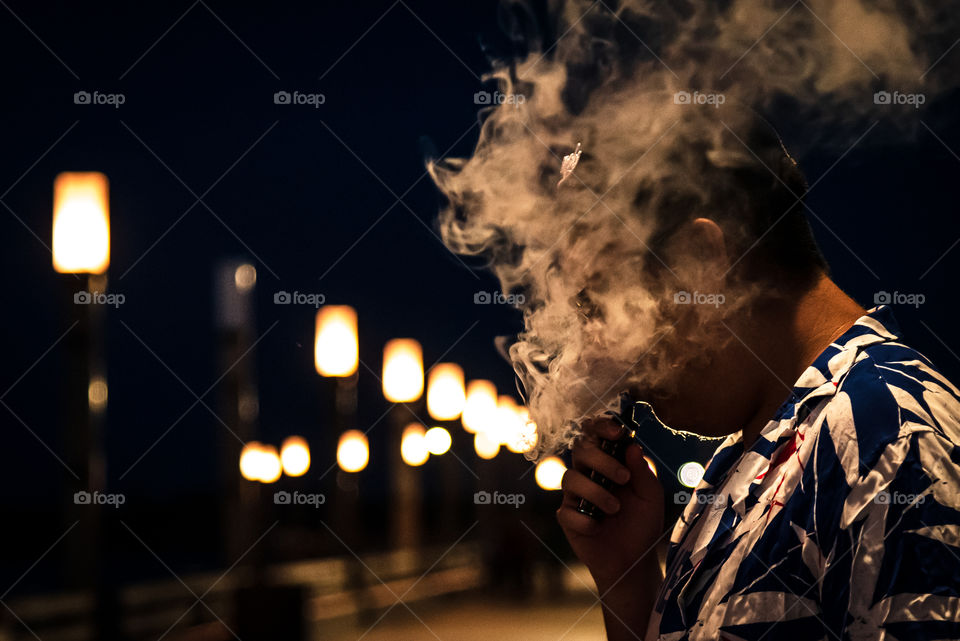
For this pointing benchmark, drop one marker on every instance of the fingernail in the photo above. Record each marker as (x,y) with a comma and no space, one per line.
(623,475)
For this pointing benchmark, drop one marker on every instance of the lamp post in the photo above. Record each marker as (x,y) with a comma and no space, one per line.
(446,397)
(403,385)
(81,246)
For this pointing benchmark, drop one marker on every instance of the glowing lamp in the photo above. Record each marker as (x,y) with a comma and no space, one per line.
(81,223)
(353,451)
(549,473)
(480,408)
(295,456)
(485,446)
(335,350)
(413,446)
(270,466)
(690,474)
(402,370)
(245,277)
(445,392)
(438,440)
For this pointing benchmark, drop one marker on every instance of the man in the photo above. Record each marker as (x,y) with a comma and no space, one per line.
(832,508)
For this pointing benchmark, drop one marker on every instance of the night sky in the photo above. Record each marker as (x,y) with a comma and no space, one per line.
(331,200)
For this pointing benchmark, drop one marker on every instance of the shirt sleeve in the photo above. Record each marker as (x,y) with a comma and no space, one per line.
(893,571)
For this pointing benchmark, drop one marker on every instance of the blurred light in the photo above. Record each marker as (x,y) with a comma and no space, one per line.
(259,462)
(524,438)
(245,277)
(413,446)
(250,461)
(81,223)
(445,393)
(270,466)
(353,451)
(97,393)
(295,456)
(651,465)
(335,351)
(690,474)
(485,446)
(438,440)
(506,428)
(480,408)
(402,370)
(549,473)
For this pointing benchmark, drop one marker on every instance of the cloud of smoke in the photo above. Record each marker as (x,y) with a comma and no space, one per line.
(664,98)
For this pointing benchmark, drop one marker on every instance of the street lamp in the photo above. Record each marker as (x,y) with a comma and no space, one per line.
(413,446)
(295,456)
(549,473)
(353,451)
(402,370)
(438,440)
(480,407)
(81,223)
(445,392)
(335,349)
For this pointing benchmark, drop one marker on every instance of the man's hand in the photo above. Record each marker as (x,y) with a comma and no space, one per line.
(619,550)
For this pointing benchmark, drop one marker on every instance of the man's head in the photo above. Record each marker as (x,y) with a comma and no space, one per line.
(670,231)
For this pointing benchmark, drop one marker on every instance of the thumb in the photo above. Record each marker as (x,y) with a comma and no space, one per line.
(642,479)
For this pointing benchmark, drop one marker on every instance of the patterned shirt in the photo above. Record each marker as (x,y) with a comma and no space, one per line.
(841,521)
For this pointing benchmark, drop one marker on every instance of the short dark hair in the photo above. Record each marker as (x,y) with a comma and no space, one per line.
(753,189)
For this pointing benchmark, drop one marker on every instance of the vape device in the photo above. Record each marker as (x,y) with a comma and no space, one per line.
(634,416)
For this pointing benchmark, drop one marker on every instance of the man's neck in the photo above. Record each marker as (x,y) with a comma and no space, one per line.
(810,323)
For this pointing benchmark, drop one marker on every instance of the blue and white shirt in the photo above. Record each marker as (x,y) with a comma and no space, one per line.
(841,521)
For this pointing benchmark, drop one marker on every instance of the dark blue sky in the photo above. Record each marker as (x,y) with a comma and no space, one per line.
(310,196)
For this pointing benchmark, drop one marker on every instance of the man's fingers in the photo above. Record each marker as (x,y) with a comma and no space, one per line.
(576,484)
(572,521)
(603,427)
(587,456)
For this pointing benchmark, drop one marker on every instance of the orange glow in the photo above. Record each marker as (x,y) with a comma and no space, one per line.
(549,473)
(335,350)
(480,408)
(485,446)
(295,456)
(353,451)
(81,223)
(402,370)
(438,440)
(445,392)
(413,445)
(259,462)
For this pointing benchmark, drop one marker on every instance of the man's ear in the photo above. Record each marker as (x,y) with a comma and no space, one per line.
(698,252)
